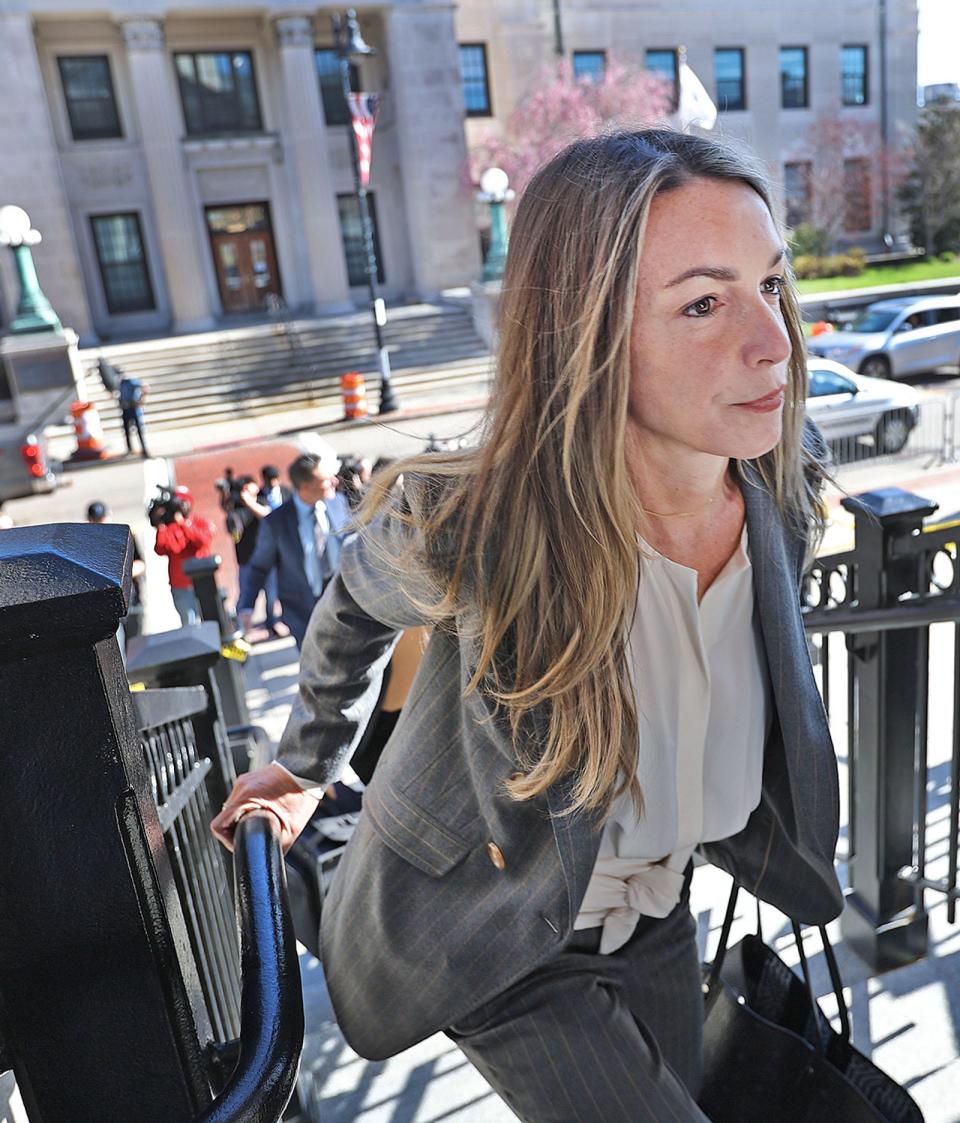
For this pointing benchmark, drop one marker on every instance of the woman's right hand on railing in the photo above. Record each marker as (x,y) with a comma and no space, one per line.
(271,789)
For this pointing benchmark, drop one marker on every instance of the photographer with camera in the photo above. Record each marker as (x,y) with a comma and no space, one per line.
(181,536)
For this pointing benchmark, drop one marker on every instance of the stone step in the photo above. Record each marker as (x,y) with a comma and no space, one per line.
(295,365)
(259,369)
(196,410)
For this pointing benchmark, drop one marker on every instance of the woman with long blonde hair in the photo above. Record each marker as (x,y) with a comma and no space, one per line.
(617,674)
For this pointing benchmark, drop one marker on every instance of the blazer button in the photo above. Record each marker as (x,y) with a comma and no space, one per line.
(495,854)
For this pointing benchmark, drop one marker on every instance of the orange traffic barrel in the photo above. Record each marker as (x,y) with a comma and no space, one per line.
(354,392)
(89,432)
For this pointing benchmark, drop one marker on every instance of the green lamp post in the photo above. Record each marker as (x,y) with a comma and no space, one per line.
(495,190)
(34,311)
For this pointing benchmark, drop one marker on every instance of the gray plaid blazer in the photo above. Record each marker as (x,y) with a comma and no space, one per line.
(449,891)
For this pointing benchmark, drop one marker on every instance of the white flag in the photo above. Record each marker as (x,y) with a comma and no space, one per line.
(695,106)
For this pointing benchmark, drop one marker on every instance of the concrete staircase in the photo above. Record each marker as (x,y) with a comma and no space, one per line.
(290,365)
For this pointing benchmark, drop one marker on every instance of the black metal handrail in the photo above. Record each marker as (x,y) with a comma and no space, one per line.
(271,1003)
(917,612)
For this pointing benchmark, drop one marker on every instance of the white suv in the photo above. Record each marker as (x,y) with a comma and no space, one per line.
(892,338)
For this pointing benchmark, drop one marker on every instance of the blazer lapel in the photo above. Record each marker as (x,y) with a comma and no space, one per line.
(294,545)
(796,696)
(772,576)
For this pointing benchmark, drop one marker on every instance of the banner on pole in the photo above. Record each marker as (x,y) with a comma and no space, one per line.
(363,113)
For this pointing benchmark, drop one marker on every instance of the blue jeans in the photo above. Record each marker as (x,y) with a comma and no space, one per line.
(185,602)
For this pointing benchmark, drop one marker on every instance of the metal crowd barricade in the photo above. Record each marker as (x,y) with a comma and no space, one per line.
(927,442)
(870,612)
(119,982)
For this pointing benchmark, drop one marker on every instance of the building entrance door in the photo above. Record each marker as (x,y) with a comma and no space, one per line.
(243,253)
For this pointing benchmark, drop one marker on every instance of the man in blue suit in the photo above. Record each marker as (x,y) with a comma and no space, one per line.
(301,539)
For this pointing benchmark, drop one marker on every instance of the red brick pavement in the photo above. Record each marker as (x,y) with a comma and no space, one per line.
(198,471)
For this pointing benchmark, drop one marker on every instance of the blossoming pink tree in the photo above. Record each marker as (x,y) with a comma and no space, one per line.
(560,108)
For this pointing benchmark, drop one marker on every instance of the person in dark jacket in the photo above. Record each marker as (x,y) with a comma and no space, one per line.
(301,539)
(131,394)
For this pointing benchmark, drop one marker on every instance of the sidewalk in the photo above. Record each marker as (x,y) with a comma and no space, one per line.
(907,1019)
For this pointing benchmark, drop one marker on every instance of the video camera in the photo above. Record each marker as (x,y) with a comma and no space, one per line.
(165,506)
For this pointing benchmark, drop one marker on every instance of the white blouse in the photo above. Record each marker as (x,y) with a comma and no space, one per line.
(703,704)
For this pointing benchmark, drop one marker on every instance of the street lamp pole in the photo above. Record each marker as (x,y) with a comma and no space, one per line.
(495,191)
(349,43)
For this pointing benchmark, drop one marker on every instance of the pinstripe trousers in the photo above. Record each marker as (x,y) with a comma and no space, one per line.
(592,1038)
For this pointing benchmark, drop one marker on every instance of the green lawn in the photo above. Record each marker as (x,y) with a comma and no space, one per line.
(933,270)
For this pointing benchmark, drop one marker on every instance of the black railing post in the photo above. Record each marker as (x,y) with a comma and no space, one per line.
(100,1003)
(229,670)
(189,657)
(885,920)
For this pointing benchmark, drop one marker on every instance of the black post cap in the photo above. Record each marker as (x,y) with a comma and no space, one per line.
(148,657)
(61,583)
(199,567)
(889,504)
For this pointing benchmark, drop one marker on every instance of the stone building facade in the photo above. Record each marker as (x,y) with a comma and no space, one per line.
(814,86)
(184,162)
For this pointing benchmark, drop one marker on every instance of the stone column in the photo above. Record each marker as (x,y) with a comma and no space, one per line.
(428,101)
(174,208)
(32,178)
(306,142)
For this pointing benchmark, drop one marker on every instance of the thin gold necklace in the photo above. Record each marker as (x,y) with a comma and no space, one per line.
(680,514)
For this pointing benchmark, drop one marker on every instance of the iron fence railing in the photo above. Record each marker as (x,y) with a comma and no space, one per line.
(884,625)
(123,989)
(179,775)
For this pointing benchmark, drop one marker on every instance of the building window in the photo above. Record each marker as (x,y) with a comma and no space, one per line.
(123,264)
(218,92)
(473,73)
(590,65)
(793,78)
(335,109)
(858,195)
(88,89)
(798,193)
(663,63)
(351,231)
(853,75)
(731,83)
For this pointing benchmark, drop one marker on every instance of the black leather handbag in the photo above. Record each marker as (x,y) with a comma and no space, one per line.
(770,1054)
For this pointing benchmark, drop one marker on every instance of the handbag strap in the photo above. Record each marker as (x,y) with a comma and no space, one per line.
(718,959)
(835,981)
(805,966)
(828,953)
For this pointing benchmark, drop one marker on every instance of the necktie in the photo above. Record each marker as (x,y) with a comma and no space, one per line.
(321,530)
